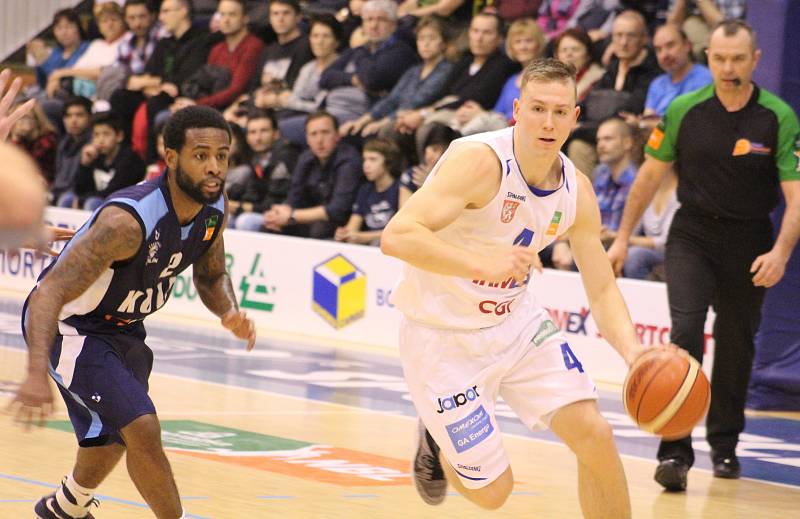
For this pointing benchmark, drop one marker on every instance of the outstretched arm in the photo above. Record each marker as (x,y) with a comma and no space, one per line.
(114,236)
(214,286)
(605,299)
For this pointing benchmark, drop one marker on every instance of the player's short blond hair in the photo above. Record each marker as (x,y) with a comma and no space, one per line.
(549,71)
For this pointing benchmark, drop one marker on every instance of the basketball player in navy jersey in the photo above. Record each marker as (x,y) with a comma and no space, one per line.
(83,320)
(472,331)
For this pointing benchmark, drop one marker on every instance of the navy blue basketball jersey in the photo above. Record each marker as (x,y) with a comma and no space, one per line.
(131,290)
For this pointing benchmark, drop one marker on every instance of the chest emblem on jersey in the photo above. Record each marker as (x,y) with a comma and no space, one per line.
(152,249)
(746,147)
(508,211)
(552,229)
(211,224)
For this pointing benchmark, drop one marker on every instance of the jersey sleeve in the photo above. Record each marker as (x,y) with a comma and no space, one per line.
(661,144)
(787,156)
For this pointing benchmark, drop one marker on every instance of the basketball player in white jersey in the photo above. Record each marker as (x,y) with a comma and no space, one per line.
(471,330)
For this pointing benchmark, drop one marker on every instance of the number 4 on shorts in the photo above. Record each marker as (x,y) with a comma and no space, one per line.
(570,360)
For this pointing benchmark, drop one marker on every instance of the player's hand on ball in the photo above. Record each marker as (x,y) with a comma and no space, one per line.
(241,326)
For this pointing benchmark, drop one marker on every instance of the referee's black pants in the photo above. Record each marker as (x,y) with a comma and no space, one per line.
(708,263)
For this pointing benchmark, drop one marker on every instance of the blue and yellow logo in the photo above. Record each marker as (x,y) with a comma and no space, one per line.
(339,291)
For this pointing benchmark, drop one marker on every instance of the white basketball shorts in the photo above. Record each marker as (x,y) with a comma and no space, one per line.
(455,377)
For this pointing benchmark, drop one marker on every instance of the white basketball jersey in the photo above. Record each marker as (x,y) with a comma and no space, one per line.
(519,214)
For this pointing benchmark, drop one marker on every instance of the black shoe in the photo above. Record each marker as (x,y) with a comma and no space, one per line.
(671,474)
(429,476)
(727,466)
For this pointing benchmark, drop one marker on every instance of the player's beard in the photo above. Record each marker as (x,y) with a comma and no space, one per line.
(194,190)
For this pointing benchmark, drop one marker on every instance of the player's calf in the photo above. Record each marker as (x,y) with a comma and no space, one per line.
(490,497)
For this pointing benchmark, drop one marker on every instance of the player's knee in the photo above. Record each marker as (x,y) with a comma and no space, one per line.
(495,494)
(587,431)
(143,432)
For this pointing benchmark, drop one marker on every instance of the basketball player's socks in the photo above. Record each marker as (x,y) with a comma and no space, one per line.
(73,498)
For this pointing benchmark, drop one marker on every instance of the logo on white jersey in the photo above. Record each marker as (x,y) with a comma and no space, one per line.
(494,307)
(508,211)
(152,249)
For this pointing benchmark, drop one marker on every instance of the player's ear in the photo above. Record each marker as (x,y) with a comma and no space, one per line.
(171,158)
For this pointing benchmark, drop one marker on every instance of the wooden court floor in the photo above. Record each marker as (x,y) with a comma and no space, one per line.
(242,453)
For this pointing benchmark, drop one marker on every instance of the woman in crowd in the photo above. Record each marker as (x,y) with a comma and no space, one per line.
(419,86)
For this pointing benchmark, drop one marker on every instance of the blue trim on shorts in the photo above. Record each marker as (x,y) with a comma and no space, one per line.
(97,425)
(468,477)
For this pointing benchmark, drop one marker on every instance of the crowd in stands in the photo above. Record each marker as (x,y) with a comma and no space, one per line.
(340,109)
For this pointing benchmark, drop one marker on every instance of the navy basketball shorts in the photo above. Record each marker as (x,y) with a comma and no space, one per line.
(103,380)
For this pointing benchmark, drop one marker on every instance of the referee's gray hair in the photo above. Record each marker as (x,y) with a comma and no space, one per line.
(385,6)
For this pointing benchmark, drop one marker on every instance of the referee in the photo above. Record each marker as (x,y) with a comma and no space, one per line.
(732,145)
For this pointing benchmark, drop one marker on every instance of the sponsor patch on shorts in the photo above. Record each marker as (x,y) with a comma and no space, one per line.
(471,430)
(546,329)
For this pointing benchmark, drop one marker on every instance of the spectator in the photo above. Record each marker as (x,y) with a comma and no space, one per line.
(632,66)
(157,168)
(510,10)
(107,164)
(697,17)
(269,173)
(420,85)
(378,199)
(70,45)
(101,52)
(673,51)
(436,143)
(350,18)
(77,120)
(646,255)
(174,60)
(325,37)
(614,174)
(623,88)
(237,56)
(525,43)
(458,12)
(478,77)
(34,133)
(612,179)
(596,17)
(574,46)
(734,147)
(139,43)
(280,62)
(554,15)
(324,184)
(361,75)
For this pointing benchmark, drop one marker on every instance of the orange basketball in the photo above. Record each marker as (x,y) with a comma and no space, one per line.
(666,393)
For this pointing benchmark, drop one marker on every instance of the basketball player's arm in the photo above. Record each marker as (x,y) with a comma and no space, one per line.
(214,286)
(115,236)
(605,300)
(468,178)
(644,187)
